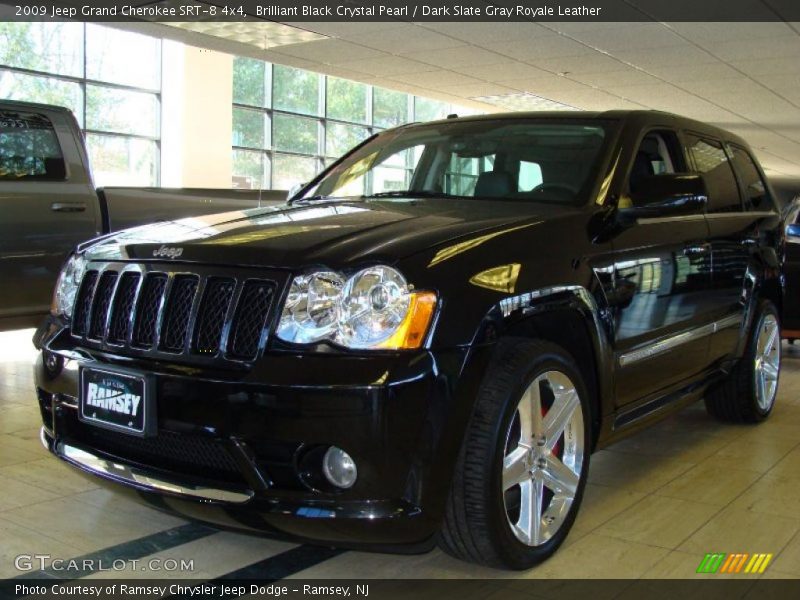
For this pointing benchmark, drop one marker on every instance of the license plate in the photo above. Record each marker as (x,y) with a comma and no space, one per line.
(117,400)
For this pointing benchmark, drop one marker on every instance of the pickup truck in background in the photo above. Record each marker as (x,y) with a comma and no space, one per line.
(48,205)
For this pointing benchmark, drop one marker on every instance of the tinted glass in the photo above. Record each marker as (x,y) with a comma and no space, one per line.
(249,170)
(389,108)
(49,47)
(290,170)
(122,111)
(755,191)
(119,160)
(487,159)
(346,100)
(710,160)
(122,57)
(248,81)
(248,128)
(295,134)
(340,138)
(29,148)
(294,90)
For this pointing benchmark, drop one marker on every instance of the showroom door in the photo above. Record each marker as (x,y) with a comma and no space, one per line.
(46,208)
(661,278)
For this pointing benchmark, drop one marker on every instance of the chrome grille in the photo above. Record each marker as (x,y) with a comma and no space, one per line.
(213,311)
(197,316)
(177,313)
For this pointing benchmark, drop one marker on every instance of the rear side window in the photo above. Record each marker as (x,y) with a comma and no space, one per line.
(29,148)
(755,190)
(710,159)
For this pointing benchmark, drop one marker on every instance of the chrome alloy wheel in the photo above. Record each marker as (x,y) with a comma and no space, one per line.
(543,458)
(767,362)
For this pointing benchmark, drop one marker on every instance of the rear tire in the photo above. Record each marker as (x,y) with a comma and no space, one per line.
(748,394)
(521,471)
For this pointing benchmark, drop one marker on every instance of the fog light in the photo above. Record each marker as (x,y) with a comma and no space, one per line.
(339,468)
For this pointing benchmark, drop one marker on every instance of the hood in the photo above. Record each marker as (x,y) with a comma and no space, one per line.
(331,234)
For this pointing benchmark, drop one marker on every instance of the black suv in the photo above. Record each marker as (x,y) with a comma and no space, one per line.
(428,341)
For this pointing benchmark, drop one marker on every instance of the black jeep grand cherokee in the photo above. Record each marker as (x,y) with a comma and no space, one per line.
(426,344)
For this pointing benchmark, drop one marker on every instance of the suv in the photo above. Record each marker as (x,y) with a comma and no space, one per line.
(426,344)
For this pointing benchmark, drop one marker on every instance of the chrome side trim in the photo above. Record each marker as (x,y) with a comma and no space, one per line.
(133,476)
(753,214)
(672,342)
(678,219)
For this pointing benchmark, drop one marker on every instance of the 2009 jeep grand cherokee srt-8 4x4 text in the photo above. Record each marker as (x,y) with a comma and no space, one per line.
(428,341)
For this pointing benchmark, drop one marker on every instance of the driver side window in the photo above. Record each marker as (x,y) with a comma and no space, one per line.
(658,153)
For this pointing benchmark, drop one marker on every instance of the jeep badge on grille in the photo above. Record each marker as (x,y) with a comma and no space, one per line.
(167,252)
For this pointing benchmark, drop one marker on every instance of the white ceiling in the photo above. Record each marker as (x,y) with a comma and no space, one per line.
(742,76)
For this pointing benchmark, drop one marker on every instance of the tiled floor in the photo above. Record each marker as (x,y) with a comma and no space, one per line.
(655,503)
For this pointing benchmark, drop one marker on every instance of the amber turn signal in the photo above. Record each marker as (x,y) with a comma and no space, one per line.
(411,333)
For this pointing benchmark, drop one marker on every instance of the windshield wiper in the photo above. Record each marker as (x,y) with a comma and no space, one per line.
(411,194)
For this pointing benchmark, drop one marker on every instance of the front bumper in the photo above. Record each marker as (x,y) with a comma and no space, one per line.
(237,448)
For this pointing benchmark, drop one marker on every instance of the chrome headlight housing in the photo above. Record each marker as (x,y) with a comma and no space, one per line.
(69,281)
(374,308)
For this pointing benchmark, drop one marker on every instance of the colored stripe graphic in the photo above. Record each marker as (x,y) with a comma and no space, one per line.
(711,563)
(738,562)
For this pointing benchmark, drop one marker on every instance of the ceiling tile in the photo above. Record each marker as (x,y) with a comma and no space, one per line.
(436,79)
(787,46)
(343,29)
(706,33)
(632,37)
(768,66)
(510,69)
(666,57)
(487,32)
(477,89)
(407,39)
(550,46)
(608,79)
(691,73)
(589,63)
(329,51)
(460,56)
(387,66)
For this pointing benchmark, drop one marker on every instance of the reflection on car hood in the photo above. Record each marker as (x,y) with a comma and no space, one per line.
(333,234)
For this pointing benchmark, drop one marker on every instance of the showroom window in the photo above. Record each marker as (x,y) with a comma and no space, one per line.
(290,123)
(110,79)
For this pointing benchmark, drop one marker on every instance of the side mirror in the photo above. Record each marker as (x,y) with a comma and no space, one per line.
(293,190)
(667,195)
(793,233)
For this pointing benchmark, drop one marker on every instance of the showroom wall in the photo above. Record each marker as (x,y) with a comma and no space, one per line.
(157,112)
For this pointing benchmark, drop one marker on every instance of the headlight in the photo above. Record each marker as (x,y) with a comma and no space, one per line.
(372,309)
(312,308)
(69,280)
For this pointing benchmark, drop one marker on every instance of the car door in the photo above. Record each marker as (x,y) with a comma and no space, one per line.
(661,275)
(47,206)
(733,220)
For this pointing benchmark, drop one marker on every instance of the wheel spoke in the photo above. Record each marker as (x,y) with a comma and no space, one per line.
(515,470)
(559,477)
(556,419)
(770,343)
(769,370)
(530,413)
(530,511)
(761,382)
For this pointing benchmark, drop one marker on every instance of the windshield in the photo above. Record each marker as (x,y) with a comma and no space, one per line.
(548,161)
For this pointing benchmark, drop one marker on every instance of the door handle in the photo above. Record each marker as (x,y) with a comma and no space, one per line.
(68,206)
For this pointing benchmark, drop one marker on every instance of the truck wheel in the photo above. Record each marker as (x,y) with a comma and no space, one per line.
(522,469)
(747,395)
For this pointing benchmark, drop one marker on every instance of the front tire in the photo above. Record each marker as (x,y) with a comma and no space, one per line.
(748,394)
(522,469)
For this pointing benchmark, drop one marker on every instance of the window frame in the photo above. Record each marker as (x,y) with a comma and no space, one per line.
(688,135)
(746,204)
(85,82)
